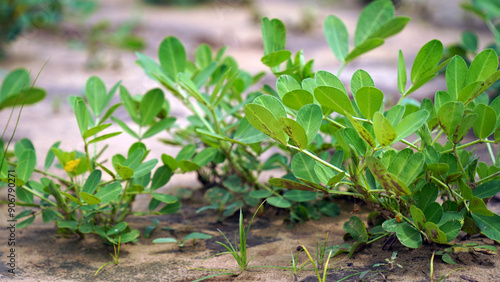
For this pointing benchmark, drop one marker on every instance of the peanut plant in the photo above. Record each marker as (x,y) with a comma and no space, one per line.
(399,158)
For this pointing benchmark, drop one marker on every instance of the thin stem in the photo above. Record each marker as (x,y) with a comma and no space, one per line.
(489,177)
(409,144)
(492,155)
(334,122)
(38,195)
(478,141)
(341,69)
(437,137)
(319,160)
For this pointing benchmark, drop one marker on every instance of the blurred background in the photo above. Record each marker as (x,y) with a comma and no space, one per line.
(65,42)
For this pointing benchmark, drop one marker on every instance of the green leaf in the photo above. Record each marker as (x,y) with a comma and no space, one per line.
(360,79)
(485,123)
(151,105)
(489,225)
(433,212)
(356,228)
(276,58)
(89,199)
(427,59)
(164,240)
(104,137)
(22,146)
(94,130)
(123,171)
(470,91)
(14,83)
(279,202)
(169,199)
(384,132)
(300,196)
(95,91)
(129,104)
(273,35)
(456,75)
(159,127)
(288,184)
(205,156)
(82,114)
(125,127)
(161,177)
(201,77)
(451,229)
(196,235)
(109,192)
(371,19)
(49,159)
(337,37)
(334,98)
(477,206)
(464,127)
(186,153)
(418,217)
(402,76)
(412,168)
(386,179)
(395,114)
(187,166)
(410,124)
(450,115)
(262,119)
(285,84)
(295,131)
(172,56)
(483,66)
(203,55)
(434,233)
(487,190)
(298,98)
(303,167)
(169,161)
(369,100)
(390,225)
(392,27)
(409,236)
(144,168)
(364,47)
(25,166)
(192,89)
(324,78)
(310,118)
(24,97)
(92,182)
(271,103)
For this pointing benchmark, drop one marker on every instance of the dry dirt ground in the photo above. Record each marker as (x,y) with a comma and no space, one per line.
(45,256)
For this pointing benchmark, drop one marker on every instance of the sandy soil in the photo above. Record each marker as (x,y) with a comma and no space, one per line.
(45,256)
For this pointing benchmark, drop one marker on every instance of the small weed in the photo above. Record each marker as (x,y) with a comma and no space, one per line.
(116,256)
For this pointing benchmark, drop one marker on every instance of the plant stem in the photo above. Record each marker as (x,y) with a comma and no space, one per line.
(488,177)
(492,155)
(409,144)
(312,155)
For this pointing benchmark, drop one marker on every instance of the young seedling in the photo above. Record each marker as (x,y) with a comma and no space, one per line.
(192,236)
(294,262)
(441,277)
(238,251)
(316,269)
(391,262)
(116,256)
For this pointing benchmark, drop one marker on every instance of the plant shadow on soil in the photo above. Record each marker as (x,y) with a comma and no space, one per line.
(44,255)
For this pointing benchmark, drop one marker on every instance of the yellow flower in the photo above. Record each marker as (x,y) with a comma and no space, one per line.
(72,165)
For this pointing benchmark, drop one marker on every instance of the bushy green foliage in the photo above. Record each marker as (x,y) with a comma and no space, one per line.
(327,139)
(397,159)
